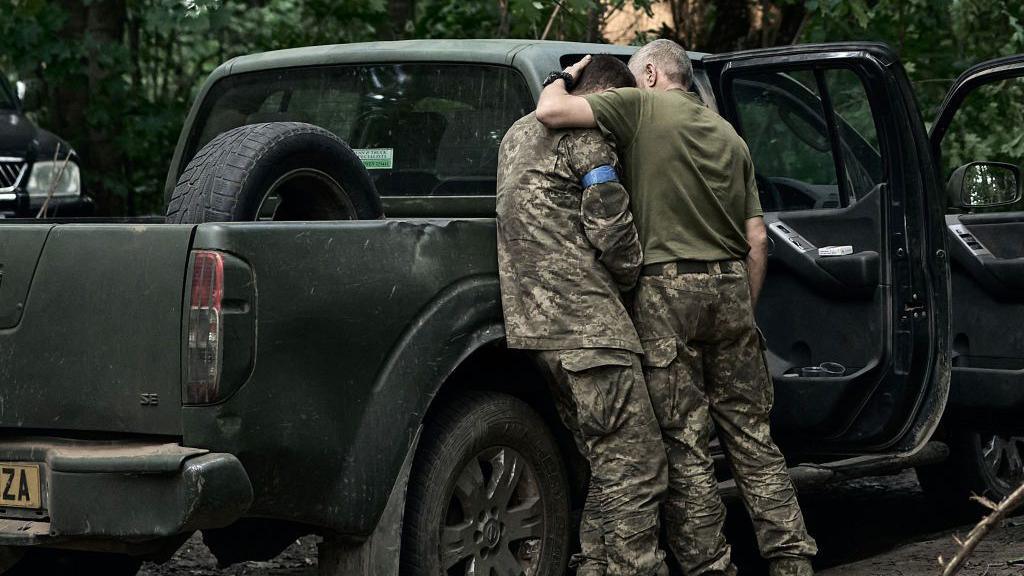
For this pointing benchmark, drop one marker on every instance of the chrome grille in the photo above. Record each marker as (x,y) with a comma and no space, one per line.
(12,171)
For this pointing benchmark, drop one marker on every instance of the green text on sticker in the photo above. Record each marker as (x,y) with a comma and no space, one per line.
(376,158)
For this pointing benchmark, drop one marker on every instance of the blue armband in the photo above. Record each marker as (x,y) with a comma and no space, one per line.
(599,175)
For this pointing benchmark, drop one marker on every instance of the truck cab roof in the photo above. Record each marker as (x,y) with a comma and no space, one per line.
(480,51)
(504,51)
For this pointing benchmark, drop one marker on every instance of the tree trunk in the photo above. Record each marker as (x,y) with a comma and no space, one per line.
(726,25)
(503,19)
(730,29)
(99,26)
(790,24)
(401,13)
(595,15)
(104,31)
(134,35)
(67,100)
(688,20)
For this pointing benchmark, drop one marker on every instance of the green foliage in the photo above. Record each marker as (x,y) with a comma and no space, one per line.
(570,19)
(445,19)
(133,94)
(938,40)
(118,85)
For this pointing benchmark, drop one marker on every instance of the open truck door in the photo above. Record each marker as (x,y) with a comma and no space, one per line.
(979,149)
(855,308)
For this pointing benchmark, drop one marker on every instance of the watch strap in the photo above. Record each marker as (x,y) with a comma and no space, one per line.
(565,76)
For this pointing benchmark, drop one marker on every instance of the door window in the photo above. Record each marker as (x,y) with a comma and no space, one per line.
(420,129)
(984,130)
(858,135)
(811,136)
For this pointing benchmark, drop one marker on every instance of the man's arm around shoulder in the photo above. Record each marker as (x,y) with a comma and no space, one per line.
(559,109)
(556,108)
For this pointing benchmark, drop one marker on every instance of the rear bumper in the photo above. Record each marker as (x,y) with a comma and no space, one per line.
(123,491)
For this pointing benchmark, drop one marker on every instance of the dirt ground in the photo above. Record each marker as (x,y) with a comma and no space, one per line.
(867,527)
(899,533)
(193,559)
(1002,554)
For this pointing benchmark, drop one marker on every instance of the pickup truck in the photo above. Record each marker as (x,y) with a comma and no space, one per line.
(313,342)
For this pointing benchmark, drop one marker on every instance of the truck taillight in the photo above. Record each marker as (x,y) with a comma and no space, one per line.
(205,328)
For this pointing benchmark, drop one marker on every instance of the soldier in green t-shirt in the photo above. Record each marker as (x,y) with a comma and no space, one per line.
(696,208)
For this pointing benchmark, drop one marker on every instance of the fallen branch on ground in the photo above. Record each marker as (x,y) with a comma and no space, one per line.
(999,513)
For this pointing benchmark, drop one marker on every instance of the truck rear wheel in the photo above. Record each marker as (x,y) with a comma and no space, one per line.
(283,171)
(488,492)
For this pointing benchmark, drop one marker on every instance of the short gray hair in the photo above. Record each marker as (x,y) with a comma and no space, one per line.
(668,57)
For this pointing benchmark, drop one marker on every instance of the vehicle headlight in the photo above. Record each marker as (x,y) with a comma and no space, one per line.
(45,175)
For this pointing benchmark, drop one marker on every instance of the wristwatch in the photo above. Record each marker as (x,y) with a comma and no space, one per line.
(569,81)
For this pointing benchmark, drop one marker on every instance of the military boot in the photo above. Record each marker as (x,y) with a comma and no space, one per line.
(790,567)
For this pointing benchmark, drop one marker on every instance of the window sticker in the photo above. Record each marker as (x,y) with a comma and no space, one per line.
(376,158)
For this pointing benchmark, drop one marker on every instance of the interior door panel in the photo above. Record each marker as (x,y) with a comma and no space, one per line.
(1001,232)
(816,309)
(797,237)
(854,304)
(987,252)
(991,248)
(988,310)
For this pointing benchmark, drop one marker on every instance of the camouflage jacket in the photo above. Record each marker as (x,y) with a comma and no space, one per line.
(564,253)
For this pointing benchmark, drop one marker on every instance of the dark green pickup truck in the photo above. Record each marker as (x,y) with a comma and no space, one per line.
(336,364)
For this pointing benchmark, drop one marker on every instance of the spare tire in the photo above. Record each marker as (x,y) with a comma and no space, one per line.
(274,171)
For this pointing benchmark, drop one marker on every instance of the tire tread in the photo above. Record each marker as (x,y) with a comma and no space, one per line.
(471,410)
(209,187)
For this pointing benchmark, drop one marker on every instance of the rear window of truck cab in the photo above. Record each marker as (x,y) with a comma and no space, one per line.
(421,129)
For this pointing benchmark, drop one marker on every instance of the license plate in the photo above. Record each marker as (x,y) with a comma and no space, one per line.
(19,486)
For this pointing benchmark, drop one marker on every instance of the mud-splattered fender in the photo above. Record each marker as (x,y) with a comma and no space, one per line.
(460,320)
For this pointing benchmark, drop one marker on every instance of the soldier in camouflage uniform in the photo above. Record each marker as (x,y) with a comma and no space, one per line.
(698,215)
(567,248)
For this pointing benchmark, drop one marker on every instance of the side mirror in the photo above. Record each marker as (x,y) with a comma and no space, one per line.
(984,185)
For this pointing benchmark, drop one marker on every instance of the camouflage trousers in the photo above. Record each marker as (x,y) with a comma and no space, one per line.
(602,398)
(705,368)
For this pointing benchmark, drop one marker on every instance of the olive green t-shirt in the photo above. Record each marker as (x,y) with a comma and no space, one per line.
(688,172)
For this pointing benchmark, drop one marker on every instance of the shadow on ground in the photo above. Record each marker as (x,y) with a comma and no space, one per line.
(883,526)
(868,527)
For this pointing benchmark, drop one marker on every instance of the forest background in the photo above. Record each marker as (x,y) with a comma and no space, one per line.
(116,77)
